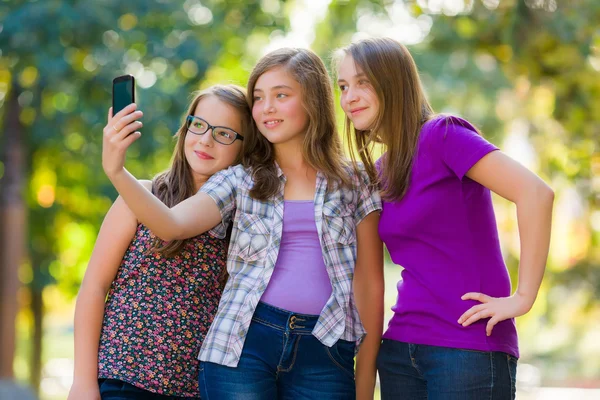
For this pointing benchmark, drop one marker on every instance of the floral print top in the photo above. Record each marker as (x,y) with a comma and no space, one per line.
(157,313)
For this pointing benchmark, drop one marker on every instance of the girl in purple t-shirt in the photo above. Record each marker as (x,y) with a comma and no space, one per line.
(453,334)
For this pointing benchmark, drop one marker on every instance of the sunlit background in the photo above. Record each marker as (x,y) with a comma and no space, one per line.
(527,72)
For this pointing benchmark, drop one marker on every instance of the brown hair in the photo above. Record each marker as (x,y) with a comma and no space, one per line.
(177,183)
(322,148)
(403,109)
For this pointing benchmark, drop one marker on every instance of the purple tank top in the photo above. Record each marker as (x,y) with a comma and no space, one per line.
(300,282)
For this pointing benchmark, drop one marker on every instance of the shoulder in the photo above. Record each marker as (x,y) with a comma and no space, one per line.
(441,125)
(357,173)
(146,183)
(233,173)
(227,181)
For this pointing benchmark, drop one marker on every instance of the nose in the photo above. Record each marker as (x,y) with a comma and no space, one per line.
(268,107)
(207,139)
(351,95)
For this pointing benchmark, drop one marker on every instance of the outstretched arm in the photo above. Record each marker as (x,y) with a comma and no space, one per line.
(189,218)
(533,198)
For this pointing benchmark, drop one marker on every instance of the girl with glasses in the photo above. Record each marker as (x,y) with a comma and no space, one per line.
(142,341)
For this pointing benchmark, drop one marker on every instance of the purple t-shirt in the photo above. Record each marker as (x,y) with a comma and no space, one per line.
(443,233)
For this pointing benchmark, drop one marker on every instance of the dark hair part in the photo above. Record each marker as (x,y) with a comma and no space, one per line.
(322,148)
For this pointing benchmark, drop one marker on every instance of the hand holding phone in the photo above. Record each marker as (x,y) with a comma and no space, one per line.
(123,92)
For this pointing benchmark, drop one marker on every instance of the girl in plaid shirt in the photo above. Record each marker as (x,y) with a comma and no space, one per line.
(305,257)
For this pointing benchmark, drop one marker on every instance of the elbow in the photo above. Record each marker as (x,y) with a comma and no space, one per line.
(172,233)
(538,193)
(167,236)
(546,194)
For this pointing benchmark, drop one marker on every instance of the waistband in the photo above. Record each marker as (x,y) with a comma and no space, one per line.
(284,320)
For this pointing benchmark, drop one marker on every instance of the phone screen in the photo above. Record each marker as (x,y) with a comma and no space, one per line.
(122,93)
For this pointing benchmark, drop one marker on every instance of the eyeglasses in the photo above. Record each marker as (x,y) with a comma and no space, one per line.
(221,134)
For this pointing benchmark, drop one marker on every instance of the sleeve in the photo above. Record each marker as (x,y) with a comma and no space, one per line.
(221,187)
(368,196)
(462,145)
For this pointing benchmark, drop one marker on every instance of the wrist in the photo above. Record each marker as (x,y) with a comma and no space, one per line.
(526,299)
(116,175)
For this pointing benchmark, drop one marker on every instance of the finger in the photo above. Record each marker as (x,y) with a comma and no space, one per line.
(467,314)
(121,123)
(127,110)
(476,317)
(476,296)
(109,114)
(490,325)
(132,138)
(126,142)
(127,130)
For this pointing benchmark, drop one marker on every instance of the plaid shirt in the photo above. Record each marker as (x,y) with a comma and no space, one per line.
(253,251)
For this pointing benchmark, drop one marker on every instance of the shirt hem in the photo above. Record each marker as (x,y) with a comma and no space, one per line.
(455,344)
(149,389)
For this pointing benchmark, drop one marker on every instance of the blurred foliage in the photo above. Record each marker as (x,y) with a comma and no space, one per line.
(526,72)
(61,57)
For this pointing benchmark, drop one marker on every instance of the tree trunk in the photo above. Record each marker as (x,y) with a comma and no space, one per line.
(12,231)
(37,309)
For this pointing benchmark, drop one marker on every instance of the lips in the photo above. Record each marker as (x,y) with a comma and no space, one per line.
(357,111)
(272,123)
(202,155)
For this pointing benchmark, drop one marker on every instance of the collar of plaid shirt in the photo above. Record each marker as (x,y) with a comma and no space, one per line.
(254,246)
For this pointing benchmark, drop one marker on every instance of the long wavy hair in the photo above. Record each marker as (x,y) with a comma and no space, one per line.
(403,109)
(322,147)
(177,183)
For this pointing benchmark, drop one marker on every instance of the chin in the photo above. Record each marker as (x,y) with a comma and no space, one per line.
(359,126)
(275,138)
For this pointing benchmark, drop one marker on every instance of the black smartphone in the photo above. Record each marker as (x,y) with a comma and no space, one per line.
(123,92)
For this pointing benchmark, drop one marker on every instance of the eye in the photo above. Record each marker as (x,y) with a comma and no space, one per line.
(225,134)
(198,124)
(343,88)
(257,98)
(364,82)
(281,95)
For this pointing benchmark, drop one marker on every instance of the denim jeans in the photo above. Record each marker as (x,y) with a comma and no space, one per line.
(113,389)
(414,372)
(282,360)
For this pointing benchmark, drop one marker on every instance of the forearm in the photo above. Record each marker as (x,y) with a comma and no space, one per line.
(89,313)
(366,368)
(148,209)
(534,214)
(369,296)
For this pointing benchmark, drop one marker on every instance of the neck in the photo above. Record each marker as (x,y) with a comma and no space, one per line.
(289,155)
(199,180)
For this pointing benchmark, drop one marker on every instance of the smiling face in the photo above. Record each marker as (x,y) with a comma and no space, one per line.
(204,155)
(358,100)
(277,107)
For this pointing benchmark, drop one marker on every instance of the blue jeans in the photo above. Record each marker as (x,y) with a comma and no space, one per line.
(113,389)
(414,372)
(282,360)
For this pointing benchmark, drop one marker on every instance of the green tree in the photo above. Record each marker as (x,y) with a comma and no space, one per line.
(57,61)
